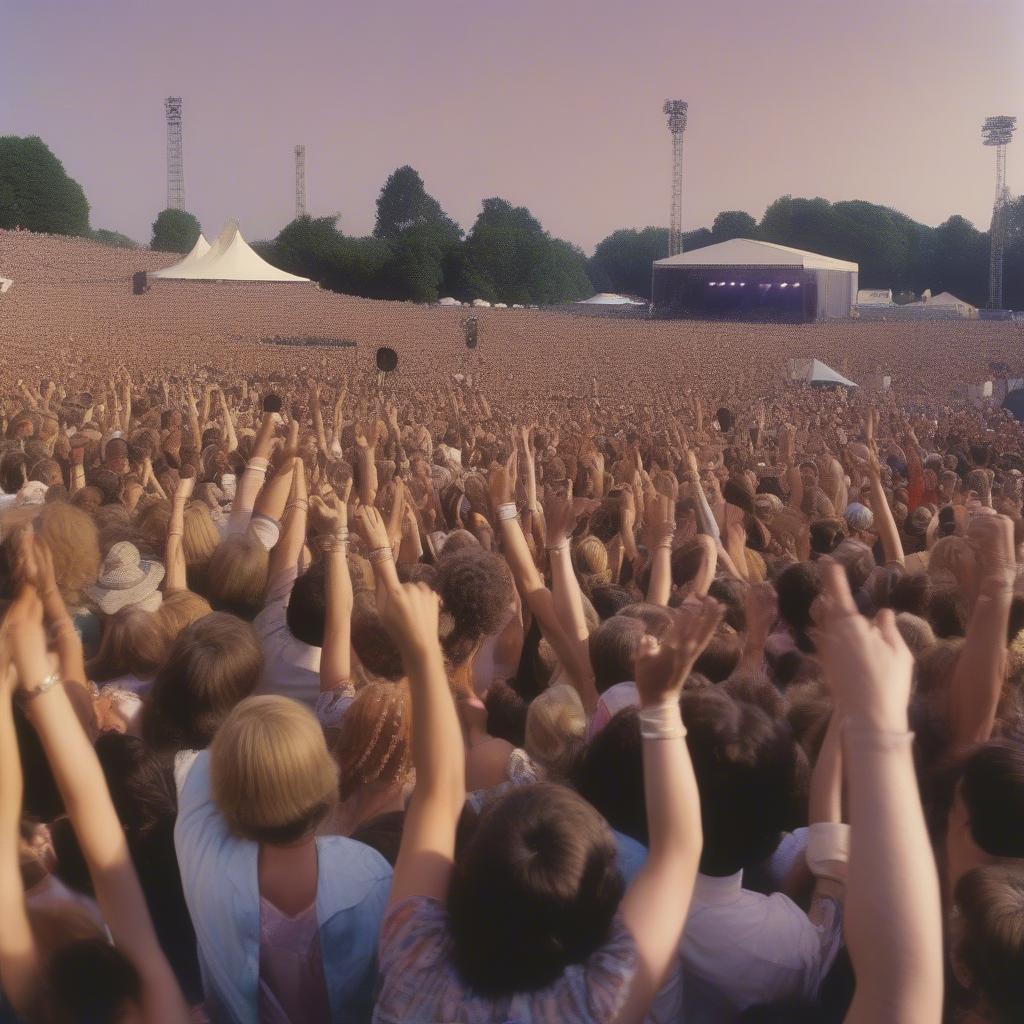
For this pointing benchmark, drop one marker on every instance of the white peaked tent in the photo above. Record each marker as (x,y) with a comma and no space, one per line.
(448,301)
(814,371)
(5,284)
(199,250)
(230,258)
(608,299)
(481,304)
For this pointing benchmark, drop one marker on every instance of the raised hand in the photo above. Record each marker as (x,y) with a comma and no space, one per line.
(867,665)
(372,528)
(410,614)
(327,517)
(501,481)
(993,539)
(661,669)
(560,516)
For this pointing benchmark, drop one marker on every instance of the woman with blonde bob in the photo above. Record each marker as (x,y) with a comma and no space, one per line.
(237,576)
(286,922)
(556,731)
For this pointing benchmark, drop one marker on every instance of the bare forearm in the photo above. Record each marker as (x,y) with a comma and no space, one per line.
(889,535)
(336,658)
(893,916)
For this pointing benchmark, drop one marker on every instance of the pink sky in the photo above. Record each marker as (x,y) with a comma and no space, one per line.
(549,103)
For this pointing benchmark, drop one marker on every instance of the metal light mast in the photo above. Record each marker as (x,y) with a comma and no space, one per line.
(300,181)
(676,111)
(998,131)
(175,171)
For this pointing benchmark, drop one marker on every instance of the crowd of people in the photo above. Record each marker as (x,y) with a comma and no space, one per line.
(348,700)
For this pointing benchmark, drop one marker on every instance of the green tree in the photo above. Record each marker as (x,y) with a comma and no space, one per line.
(960,261)
(1013,256)
(36,192)
(113,238)
(175,231)
(404,203)
(622,262)
(510,258)
(733,224)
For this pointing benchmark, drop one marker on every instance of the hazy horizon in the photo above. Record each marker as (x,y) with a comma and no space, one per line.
(554,107)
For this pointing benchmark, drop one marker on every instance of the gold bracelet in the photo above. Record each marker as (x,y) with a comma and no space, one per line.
(44,687)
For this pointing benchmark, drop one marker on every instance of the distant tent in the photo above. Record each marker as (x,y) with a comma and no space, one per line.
(500,305)
(448,301)
(5,284)
(481,304)
(199,250)
(814,371)
(608,299)
(230,258)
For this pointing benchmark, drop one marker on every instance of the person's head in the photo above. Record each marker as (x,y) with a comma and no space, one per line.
(722,655)
(47,471)
(556,729)
(373,746)
(749,774)
(179,609)
(212,665)
(141,784)
(371,642)
(857,561)
(237,576)
(307,608)
(611,775)
(608,599)
(199,540)
(134,643)
(613,646)
(115,456)
(956,557)
(917,634)
(798,586)
(988,808)
(687,560)
(271,775)
(476,592)
(13,471)
(506,713)
(988,940)
(74,543)
(826,536)
(656,618)
(590,557)
(535,891)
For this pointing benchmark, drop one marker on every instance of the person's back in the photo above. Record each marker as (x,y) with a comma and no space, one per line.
(287,923)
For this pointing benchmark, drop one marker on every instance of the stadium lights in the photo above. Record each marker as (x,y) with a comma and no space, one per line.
(796,284)
(785,284)
(732,284)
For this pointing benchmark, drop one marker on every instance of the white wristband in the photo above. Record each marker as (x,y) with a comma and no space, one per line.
(507,511)
(828,848)
(662,722)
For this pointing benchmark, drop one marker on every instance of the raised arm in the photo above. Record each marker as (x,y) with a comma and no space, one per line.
(893,913)
(254,476)
(981,668)
(331,525)
(659,587)
(83,787)
(19,957)
(366,441)
(538,598)
(656,904)
(174,559)
(427,852)
(888,533)
(284,559)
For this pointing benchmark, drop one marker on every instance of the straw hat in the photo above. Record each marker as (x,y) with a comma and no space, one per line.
(125,579)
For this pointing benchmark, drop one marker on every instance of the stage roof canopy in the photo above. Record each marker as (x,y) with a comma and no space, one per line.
(749,252)
(230,258)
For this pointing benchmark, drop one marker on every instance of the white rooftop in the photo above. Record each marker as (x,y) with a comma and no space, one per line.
(607,299)
(749,252)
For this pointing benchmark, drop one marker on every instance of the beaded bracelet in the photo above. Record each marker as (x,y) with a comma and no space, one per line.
(381,555)
(558,547)
(333,542)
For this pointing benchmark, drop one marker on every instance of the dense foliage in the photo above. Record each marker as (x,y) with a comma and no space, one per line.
(36,192)
(175,231)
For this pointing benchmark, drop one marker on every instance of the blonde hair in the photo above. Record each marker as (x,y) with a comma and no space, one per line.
(180,608)
(134,642)
(374,742)
(590,557)
(199,538)
(237,576)
(271,775)
(75,544)
(556,727)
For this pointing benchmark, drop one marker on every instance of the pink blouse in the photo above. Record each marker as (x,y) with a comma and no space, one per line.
(292,986)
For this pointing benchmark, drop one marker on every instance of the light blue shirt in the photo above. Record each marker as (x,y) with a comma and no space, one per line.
(219,873)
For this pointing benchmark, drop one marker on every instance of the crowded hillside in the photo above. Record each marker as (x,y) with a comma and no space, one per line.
(595,674)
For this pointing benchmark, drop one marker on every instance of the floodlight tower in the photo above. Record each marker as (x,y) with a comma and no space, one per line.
(175,172)
(300,181)
(998,131)
(676,111)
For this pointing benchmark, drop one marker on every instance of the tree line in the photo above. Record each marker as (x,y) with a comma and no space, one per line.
(417,252)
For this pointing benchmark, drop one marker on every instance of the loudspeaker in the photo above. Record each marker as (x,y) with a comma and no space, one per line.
(139,283)
(470,328)
(387,360)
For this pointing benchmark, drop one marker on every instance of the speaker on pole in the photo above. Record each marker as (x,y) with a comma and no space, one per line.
(470,327)
(140,284)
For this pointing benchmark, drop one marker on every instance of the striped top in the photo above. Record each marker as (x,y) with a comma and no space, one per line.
(421,986)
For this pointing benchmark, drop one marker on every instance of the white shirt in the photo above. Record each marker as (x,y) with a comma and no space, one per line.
(741,948)
(290,667)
